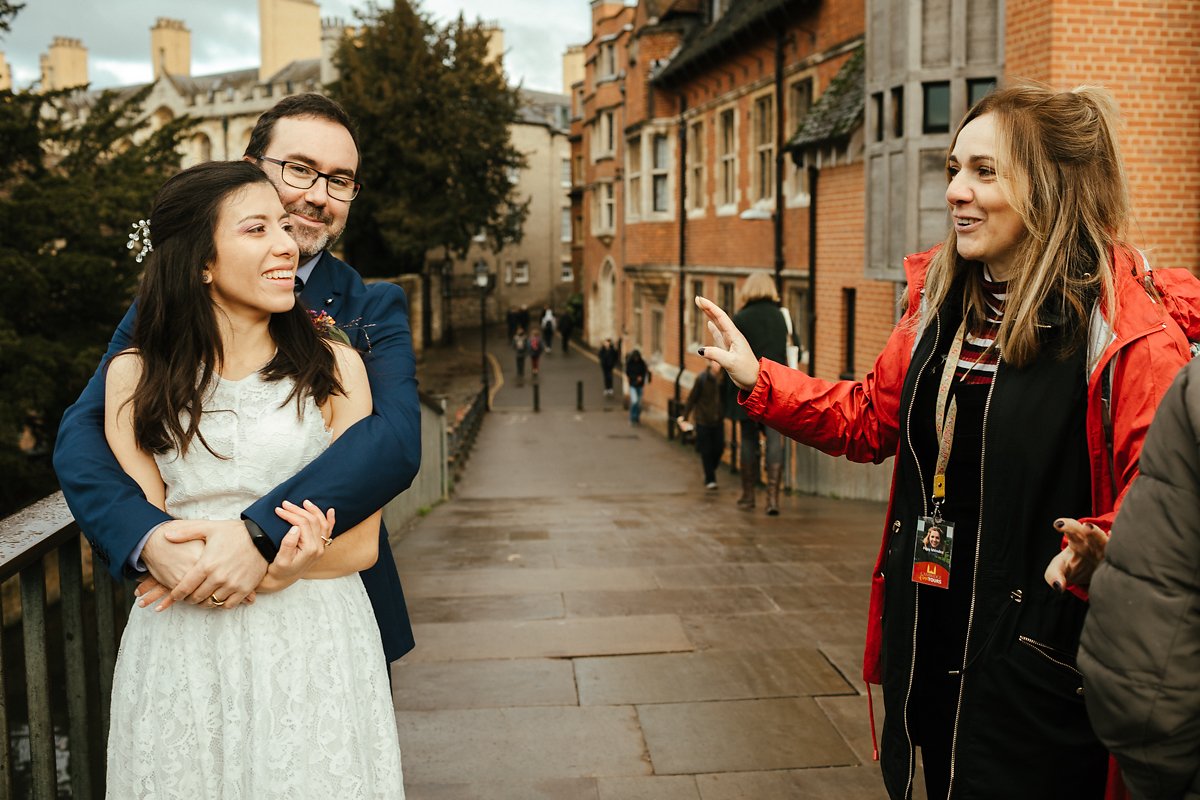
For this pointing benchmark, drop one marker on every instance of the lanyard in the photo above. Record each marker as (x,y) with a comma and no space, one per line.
(944,415)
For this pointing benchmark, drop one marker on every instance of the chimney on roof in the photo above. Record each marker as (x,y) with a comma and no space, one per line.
(289,30)
(170,48)
(495,42)
(65,65)
(333,30)
(603,9)
(573,67)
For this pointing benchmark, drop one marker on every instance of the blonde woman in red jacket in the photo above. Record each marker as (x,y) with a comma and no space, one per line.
(1015,394)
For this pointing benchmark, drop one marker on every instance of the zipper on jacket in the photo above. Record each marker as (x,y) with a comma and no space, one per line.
(912,667)
(1051,653)
(962,679)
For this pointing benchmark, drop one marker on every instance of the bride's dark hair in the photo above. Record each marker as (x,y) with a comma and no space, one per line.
(176,333)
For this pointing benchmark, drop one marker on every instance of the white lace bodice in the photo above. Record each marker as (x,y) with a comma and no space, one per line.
(261,439)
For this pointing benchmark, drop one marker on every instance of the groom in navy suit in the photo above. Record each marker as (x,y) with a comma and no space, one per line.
(307,147)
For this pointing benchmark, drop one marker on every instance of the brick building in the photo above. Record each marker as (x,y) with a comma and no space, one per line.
(771,108)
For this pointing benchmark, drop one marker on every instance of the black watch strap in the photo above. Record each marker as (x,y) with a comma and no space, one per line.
(258,536)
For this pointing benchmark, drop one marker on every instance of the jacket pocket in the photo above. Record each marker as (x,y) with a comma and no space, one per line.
(1062,662)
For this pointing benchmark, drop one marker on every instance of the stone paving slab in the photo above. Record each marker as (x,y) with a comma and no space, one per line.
(566,638)
(526,580)
(483,684)
(667,787)
(836,783)
(849,714)
(852,600)
(521,745)
(735,600)
(488,607)
(713,675)
(741,735)
(742,575)
(565,789)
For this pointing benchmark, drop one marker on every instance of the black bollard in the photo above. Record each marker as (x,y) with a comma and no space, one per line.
(537,397)
(579,395)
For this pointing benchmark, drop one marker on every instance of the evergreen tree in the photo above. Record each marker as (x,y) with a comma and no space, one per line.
(433,115)
(69,189)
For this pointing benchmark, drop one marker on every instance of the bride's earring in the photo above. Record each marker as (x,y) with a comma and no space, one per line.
(206,277)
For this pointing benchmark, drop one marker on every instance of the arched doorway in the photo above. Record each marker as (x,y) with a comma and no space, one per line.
(604,316)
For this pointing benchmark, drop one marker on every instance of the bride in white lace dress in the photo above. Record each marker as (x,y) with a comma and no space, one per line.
(285,696)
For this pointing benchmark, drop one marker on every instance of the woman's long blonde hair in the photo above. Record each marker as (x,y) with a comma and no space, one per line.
(1060,168)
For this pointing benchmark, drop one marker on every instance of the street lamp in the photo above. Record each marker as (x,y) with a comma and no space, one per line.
(483,280)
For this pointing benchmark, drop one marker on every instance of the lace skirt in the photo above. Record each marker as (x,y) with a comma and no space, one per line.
(287,698)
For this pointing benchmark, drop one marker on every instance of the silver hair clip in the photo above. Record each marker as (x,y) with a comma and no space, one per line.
(140,238)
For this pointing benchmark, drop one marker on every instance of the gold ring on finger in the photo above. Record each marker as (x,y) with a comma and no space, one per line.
(215,601)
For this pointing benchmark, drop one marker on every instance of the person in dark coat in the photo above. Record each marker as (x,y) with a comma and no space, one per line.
(520,343)
(1140,647)
(639,375)
(566,326)
(761,322)
(608,362)
(1014,396)
(705,408)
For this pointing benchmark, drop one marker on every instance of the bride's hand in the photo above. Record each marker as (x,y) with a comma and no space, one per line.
(303,545)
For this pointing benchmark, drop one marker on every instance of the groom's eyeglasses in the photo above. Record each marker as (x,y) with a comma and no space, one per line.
(302,176)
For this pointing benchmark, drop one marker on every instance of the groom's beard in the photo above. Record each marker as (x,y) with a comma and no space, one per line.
(312,241)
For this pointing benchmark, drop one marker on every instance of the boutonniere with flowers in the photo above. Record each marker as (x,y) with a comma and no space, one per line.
(327,326)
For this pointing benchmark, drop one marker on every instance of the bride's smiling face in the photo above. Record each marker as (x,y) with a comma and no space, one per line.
(254,272)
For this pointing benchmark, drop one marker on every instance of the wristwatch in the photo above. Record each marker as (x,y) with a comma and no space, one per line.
(259,538)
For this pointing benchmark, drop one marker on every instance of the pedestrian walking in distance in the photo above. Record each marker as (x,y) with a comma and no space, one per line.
(536,348)
(520,344)
(548,327)
(638,375)
(566,325)
(705,408)
(607,356)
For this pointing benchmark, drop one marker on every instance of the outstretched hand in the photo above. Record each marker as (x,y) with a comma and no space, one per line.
(1084,551)
(730,348)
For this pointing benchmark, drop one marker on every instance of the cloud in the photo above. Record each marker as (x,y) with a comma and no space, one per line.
(225,34)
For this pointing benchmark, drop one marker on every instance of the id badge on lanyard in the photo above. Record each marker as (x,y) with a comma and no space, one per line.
(933,545)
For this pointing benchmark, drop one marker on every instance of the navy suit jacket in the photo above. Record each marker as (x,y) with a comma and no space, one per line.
(369,464)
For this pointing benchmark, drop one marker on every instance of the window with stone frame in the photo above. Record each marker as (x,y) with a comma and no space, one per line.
(565,225)
(763,125)
(633,172)
(656,331)
(727,142)
(609,206)
(695,159)
(522,273)
(800,98)
(660,172)
(698,318)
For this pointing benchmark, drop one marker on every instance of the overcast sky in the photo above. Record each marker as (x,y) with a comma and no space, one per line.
(225,34)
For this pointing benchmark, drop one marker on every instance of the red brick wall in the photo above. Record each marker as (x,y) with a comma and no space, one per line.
(840,255)
(1145,52)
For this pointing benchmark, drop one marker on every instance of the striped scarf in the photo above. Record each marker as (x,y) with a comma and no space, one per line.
(977,363)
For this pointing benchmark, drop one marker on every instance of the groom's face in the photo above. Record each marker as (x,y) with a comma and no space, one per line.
(317,219)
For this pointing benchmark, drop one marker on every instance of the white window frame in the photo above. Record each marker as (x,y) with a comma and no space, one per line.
(564,233)
(796,177)
(565,170)
(696,194)
(521,275)
(633,177)
(727,160)
(660,173)
(567,271)
(762,168)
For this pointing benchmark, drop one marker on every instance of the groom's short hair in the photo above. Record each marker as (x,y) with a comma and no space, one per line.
(309,104)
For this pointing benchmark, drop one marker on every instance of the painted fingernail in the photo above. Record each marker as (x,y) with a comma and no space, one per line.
(1060,523)
(1057,586)
(700,351)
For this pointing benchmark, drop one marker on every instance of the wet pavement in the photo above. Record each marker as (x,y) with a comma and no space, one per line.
(591,623)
